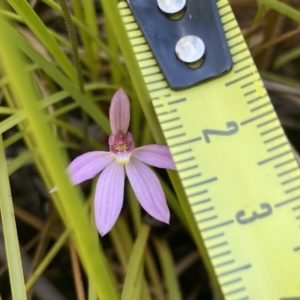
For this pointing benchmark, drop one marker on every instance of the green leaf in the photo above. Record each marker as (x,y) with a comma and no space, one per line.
(14,138)
(282,8)
(153,275)
(282,79)
(86,30)
(8,111)
(91,22)
(10,232)
(61,95)
(123,244)
(47,259)
(19,161)
(11,122)
(133,276)
(69,202)
(32,20)
(286,57)
(59,78)
(122,241)
(168,268)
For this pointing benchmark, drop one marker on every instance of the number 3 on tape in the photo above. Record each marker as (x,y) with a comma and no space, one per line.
(233,158)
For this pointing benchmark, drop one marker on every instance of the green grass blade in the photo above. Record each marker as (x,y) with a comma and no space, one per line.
(70,204)
(61,95)
(135,209)
(84,28)
(282,8)
(47,259)
(133,276)
(14,17)
(123,243)
(153,275)
(173,201)
(91,22)
(286,57)
(19,161)
(74,43)
(8,111)
(59,78)
(168,268)
(76,132)
(112,40)
(86,40)
(10,232)
(282,79)
(14,138)
(91,292)
(11,122)
(32,20)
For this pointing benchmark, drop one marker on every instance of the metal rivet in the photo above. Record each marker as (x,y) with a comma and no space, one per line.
(171,6)
(190,48)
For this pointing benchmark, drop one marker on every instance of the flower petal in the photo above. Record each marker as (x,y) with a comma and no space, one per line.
(88,165)
(155,155)
(119,113)
(148,190)
(109,197)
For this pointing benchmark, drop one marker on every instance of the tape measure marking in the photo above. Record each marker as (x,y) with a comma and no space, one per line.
(227,227)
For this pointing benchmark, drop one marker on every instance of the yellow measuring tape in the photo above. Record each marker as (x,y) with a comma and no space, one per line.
(236,166)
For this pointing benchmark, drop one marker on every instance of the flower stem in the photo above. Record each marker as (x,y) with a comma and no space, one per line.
(74,44)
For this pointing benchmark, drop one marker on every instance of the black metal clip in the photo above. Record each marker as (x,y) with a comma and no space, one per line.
(200,18)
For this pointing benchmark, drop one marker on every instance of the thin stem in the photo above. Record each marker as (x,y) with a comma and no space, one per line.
(74,44)
(48,258)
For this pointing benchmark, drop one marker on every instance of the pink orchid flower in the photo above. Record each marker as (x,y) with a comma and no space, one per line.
(123,158)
